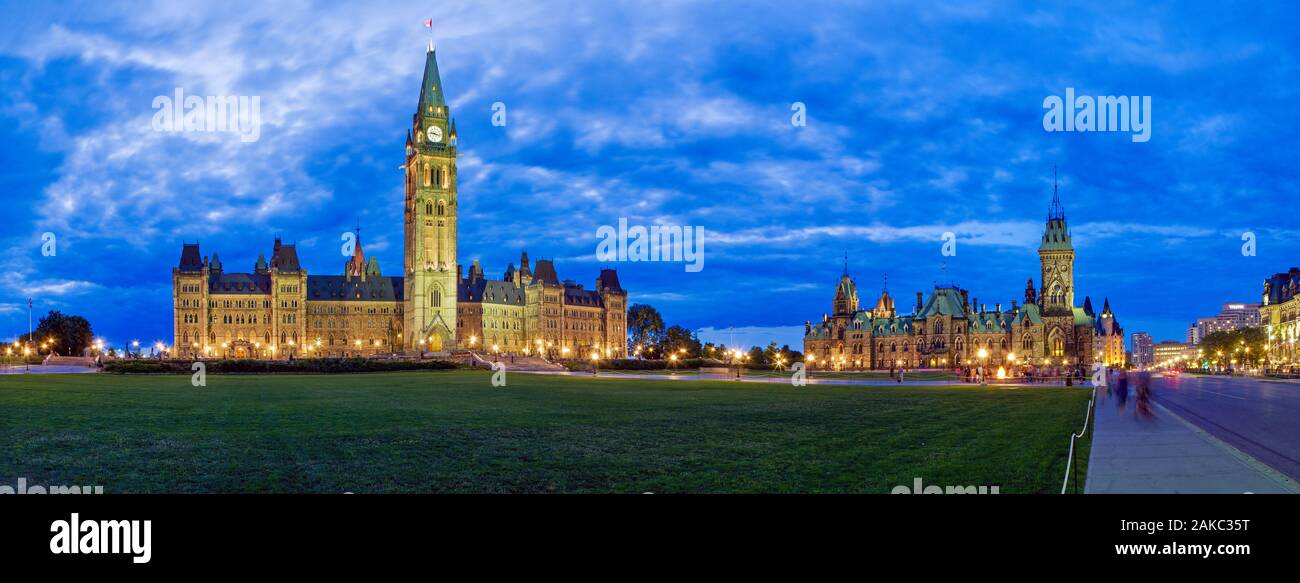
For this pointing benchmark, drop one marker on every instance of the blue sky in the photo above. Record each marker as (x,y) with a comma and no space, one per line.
(922,118)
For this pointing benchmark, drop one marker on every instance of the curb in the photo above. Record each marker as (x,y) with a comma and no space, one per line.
(1273,475)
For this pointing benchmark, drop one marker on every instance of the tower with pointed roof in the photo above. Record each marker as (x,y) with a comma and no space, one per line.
(846,294)
(430,265)
(1056,258)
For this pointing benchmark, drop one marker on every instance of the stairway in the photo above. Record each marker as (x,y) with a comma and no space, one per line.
(520,363)
(55,360)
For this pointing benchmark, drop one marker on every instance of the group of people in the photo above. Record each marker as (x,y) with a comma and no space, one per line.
(1122,381)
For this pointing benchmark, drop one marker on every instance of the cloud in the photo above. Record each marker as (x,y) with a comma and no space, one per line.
(658,112)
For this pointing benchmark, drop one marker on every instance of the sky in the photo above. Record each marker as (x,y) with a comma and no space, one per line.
(922,118)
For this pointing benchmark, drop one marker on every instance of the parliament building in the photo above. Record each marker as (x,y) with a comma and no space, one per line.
(277,310)
(950,328)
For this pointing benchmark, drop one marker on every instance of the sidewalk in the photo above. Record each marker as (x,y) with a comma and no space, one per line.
(1163,454)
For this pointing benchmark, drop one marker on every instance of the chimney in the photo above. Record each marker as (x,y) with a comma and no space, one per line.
(999,307)
(1014,309)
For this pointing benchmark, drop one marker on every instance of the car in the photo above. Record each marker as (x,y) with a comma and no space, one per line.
(1171,373)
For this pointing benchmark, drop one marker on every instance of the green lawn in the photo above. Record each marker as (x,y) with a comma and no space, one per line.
(451,431)
(925,375)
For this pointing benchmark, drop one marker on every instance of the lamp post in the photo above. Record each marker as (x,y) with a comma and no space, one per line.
(595,363)
(29,331)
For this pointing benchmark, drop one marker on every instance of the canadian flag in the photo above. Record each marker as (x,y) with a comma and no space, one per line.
(428,23)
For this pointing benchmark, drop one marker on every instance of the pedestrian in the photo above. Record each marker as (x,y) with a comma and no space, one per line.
(1144,394)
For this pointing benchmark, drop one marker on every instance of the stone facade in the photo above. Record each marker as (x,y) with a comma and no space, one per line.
(1280,316)
(277,310)
(950,328)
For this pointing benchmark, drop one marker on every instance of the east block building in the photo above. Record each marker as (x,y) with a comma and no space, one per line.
(278,309)
(949,328)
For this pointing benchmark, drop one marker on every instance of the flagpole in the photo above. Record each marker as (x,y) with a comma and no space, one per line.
(29,333)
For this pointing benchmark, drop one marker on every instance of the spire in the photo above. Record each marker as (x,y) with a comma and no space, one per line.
(357,264)
(885,289)
(846,264)
(431,101)
(1055,211)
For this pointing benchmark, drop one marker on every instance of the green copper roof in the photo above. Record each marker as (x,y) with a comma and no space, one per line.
(847,287)
(943,301)
(1081,318)
(1056,237)
(1029,312)
(431,88)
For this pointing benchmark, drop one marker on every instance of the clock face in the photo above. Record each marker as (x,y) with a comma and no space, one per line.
(435,134)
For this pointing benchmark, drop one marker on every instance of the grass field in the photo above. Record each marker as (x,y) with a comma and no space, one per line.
(924,375)
(451,431)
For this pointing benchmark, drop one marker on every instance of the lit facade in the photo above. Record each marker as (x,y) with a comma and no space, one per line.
(1280,317)
(950,329)
(278,310)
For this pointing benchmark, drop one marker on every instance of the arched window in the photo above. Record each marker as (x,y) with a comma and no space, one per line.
(441,208)
(436,299)
(1057,343)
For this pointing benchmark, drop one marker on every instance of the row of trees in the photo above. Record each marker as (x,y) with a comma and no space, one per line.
(1244,345)
(648,337)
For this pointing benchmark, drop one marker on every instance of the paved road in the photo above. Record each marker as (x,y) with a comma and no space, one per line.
(1260,418)
(1142,448)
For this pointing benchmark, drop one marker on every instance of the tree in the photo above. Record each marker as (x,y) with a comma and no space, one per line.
(70,334)
(644,326)
(757,356)
(676,338)
(1233,345)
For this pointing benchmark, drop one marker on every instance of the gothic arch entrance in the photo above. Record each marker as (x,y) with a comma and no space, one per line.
(439,337)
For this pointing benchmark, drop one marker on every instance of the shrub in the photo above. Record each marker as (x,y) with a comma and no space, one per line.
(634,364)
(299,366)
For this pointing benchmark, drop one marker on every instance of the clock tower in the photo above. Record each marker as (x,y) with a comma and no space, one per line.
(430,268)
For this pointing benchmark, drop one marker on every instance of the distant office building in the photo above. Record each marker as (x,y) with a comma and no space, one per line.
(1170,353)
(1233,316)
(1142,353)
